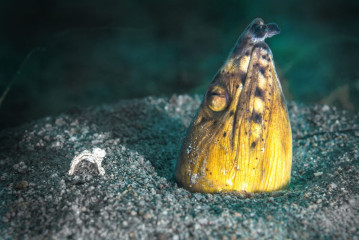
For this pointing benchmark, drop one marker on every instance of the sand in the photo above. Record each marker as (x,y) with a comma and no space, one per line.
(137,143)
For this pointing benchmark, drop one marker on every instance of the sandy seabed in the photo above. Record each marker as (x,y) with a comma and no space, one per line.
(137,197)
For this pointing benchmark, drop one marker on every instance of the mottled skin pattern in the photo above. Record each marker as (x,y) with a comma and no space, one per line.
(240,140)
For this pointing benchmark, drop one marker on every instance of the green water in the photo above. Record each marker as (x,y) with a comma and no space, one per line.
(92,52)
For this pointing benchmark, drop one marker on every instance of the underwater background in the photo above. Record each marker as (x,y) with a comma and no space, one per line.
(61,55)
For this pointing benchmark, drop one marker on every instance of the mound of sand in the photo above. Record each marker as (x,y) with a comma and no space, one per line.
(135,196)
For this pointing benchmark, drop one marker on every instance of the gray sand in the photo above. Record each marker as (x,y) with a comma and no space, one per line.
(137,197)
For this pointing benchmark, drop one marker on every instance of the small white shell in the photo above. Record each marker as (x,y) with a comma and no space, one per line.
(96,157)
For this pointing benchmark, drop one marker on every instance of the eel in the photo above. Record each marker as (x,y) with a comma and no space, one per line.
(240,139)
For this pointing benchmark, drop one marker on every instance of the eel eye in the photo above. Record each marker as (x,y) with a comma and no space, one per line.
(217,98)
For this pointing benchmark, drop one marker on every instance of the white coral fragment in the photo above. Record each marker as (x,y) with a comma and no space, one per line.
(96,157)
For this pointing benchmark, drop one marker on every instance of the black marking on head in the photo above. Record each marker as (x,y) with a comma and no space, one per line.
(236,61)
(243,79)
(224,134)
(260,30)
(262,70)
(259,93)
(234,127)
(206,169)
(200,120)
(253,145)
(257,117)
(247,53)
(237,86)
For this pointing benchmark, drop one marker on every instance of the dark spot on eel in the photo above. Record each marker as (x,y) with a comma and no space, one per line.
(224,134)
(259,93)
(231,113)
(262,70)
(253,145)
(243,79)
(257,117)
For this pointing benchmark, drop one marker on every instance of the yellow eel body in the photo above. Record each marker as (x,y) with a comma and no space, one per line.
(240,140)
